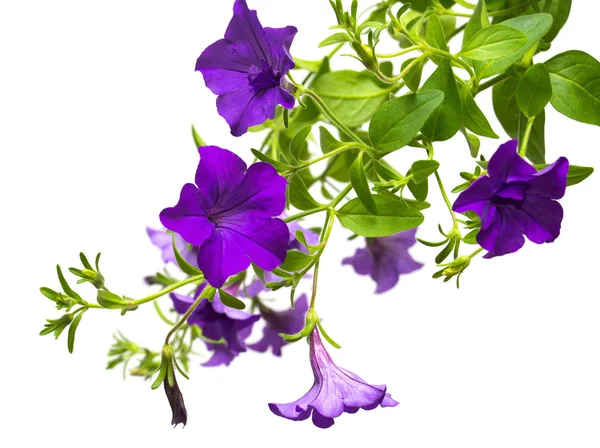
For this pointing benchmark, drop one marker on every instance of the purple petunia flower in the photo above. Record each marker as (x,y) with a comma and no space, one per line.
(246,69)
(334,391)
(515,199)
(385,259)
(218,321)
(290,322)
(228,215)
(162,240)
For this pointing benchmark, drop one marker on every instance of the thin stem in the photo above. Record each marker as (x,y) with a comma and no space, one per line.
(325,234)
(492,82)
(403,73)
(465,4)
(525,140)
(162,315)
(446,200)
(476,252)
(305,213)
(168,289)
(453,58)
(333,153)
(313,297)
(400,53)
(188,313)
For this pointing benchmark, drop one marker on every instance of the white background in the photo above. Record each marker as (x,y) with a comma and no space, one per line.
(96,101)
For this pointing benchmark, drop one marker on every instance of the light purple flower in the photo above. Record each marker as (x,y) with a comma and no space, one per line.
(385,259)
(289,322)
(218,321)
(162,240)
(334,391)
(228,215)
(515,199)
(246,69)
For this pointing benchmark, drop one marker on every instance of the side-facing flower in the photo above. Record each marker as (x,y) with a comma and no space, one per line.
(246,69)
(385,259)
(176,402)
(218,322)
(229,213)
(162,240)
(514,199)
(334,391)
(288,322)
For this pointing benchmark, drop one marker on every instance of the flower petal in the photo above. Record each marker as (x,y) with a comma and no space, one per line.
(551,182)
(219,173)
(220,257)
(296,410)
(385,275)
(262,240)
(501,230)
(506,165)
(362,261)
(245,28)
(543,217)
(221,355)
(280,41)
(188,217)
(475,197)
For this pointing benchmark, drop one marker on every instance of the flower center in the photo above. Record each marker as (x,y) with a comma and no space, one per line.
(264,77)
(513,193)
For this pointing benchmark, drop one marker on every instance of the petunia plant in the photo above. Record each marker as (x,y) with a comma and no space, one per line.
(238,232)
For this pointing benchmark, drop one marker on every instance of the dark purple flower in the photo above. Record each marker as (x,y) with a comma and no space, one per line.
(334,391)
(385,259)
(176,402)
(289,322)
(246,69)
(162,240)
(228,215)
(218,321)
(515,199)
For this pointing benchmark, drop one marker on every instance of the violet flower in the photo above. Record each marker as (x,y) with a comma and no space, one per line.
(246,69)
(228,215)
(162,240)
(218,321)
(289,322)
(334,391)
(179,413)
(515,199)
(385,259)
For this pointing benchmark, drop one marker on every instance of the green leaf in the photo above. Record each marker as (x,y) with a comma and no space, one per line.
(575,175)
(474,144)
(479,20)
(474,119)
(335,39)
(493,42)
(559,10)
(534,26)
(534,90)
(575,78)
(505,105)
(471,237)
(327,141)
(260,273)
(72,330)
(65,286)
(398,121)
(446,119)
(434,36)
(279,166)
(298,142)
(231,301)
(296,261)
(310,66)
(109,300)
(412,78)
(392,216)
(352,96)
(386,171)
(358,178)
(419,191)
(299,195)
(182,262)
(198,141)
(536,148)
(422,169)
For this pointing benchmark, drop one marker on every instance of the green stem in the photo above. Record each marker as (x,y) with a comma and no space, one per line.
(400,53)
(162,315)
(188,313)
(492,82)
(476,252)
(446,200)
(333,153)
(453,58)
(465,4)
(325,234)
(525,140)
(168,289)
(305,213)
(403,73)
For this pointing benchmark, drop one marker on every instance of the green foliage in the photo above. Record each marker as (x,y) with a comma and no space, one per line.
(358,178)
(493,42)
(534,90)
(446,119)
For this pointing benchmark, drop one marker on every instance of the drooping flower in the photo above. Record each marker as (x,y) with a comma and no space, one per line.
(218,322)
(162,240)
(246,69)
(335,390)
(385,259)
(289,322)
(228,215)
(514,199)
(176,402)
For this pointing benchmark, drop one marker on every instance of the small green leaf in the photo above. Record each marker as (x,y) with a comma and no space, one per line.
(474,119)
(298,142)
(182,262)
(412,78)
(575,78)
(471,237)
(296,261)
(505,105)
(445,251)
(479,20)
(65,286)
(493,42)
(260,273)
(435,36)
(385,171)
(327,141)
(398,121)
(72,330)
(299,195)
(231,301)
(198,141)
(422,169)
(109,300)
(360,183)
(419,191)
(534,90)
(392,216)
(560,10)
(474,144)
(279,166)
(335,39)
